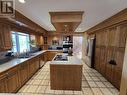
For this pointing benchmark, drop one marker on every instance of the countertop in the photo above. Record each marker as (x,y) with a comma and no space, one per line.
(17,61)
(72,60)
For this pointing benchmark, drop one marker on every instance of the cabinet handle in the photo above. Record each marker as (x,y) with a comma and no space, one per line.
(112,62)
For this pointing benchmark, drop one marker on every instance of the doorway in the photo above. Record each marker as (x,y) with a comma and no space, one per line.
(77,46)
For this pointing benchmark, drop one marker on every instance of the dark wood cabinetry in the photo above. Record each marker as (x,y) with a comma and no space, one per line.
(5,37)
(23,72)
(3,86)
(110,46)
(12,80)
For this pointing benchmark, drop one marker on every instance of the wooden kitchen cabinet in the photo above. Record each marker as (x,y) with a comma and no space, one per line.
(42,61)
(3,85)
(5,37)
(117,71)
(23,73)
(103,60)
(12,80)
(110,45)
(51,54)
(97,59)
(33,65)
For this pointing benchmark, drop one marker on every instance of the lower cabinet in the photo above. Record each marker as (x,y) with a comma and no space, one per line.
(42,60)
(12,80)
(3,86)
(23,73)
(51,54)
(33,66)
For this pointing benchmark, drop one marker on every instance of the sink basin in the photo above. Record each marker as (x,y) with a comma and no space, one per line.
(25,56)
(61,58)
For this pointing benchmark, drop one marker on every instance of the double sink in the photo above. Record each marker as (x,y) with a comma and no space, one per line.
(61,57)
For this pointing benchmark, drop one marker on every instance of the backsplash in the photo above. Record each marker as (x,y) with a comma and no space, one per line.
(2,54)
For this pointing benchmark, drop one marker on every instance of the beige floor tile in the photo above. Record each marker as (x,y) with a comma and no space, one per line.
(100,84)
(30,82)
(58,92)
(37,82)
(106,91)
(41,89)
(87,91)
(48,90)
(97,91)
(78,93)
(68,92)
(92,84)
(32,89)
(95,79)
(102,79)
(44,82)
(89,79)
(24,88)
(114,91)
(92,74)
(85,84)
(108,84)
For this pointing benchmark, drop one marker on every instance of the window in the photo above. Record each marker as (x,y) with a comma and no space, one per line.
(20,42)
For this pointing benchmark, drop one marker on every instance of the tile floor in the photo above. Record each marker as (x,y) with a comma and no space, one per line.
(93,83)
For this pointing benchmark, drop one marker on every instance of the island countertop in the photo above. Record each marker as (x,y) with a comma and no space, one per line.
(72,60)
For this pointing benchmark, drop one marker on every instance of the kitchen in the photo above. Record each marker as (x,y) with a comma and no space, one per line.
(54,52)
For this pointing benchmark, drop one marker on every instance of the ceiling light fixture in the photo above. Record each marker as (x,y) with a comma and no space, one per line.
(22,1)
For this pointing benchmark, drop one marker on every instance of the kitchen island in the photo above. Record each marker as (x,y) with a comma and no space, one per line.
(66,74)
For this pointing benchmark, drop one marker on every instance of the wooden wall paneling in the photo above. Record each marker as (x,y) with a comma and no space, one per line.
(109,73)
(117,69)
(103,51)
(97,58)
(122,35)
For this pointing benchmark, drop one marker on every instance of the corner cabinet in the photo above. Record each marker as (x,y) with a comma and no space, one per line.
(5,37)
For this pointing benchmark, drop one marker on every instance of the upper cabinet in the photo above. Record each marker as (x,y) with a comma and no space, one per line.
(5,37)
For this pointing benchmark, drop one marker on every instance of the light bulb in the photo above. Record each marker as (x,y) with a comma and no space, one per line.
(22,1)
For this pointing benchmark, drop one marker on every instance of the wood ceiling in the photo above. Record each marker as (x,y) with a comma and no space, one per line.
(65,22)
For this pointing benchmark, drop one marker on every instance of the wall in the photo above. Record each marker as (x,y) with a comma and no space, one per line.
(123,90)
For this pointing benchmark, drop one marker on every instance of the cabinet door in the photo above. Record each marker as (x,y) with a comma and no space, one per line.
(51,55)
(13,80)
(97,58)
(36,63)
(110,56)
(42,61)
(3,86)
(102,56)
(23,73)
(122,35)
(117,69)
(5,37)
(31,67)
